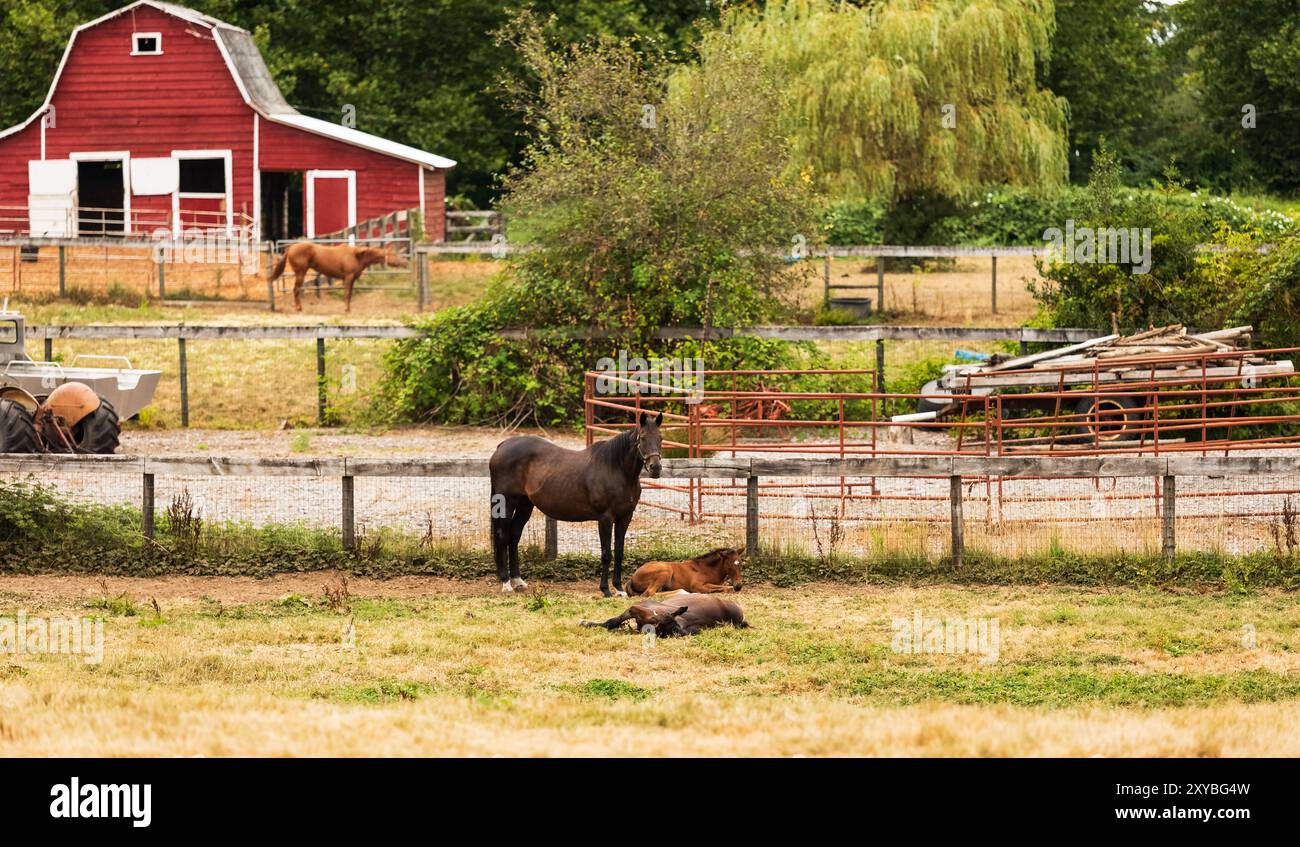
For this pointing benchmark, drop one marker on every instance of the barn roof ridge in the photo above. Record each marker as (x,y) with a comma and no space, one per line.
(256,85)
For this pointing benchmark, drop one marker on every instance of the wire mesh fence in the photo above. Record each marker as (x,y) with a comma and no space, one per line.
(128,273)
(1241,505)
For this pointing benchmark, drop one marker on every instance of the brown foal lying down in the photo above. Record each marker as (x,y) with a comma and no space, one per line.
(703,574)
(681,614)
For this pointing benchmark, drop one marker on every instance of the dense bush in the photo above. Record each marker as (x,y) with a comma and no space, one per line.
(1234,283)
(1019,216)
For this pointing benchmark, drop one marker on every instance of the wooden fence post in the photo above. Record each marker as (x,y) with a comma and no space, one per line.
(995,285)
(162,278)
(270,267)
(826,279)
(321,398)
(185,385)
(63,277)
(958,520)
(880,285)
(49,349)
(147,507)
(349,513)
(552,539)
(1168,541)
(751,516)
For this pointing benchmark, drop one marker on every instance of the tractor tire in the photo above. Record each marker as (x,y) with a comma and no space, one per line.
(98,432)
(1120,419)
(17,429)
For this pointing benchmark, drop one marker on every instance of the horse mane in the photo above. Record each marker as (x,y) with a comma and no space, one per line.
(613,450)
(714,555)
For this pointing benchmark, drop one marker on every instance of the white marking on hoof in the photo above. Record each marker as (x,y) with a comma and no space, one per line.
(518,584)
(620,593)
(506,588)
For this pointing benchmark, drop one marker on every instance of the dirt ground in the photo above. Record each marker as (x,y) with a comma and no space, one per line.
(431,442)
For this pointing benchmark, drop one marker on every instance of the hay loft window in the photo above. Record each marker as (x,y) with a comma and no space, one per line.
(203,176)
(146,44)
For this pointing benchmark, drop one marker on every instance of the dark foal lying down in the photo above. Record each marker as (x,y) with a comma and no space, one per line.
(679,614)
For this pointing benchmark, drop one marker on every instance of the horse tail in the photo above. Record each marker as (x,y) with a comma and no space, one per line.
(279,265)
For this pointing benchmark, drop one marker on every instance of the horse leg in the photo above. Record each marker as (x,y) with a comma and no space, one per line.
(612,623)
(500,519)
(299,277)
(620,530)
(347,300)
(523,511)
(606,527)
(714,588)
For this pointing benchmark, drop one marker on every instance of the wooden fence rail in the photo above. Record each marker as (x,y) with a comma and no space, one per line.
(956,468)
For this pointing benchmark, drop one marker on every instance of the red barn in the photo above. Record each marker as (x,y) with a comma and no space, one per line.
(160,115)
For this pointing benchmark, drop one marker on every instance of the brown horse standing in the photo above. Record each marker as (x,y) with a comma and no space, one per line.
(703,574)
(601,483)
(340,261)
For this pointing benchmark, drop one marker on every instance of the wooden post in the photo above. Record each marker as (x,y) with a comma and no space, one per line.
(321,397)
(162,278)
(421,278)
(146,507)
(958,520)
(185,385)
(349,513)
(63,276)
(826,279)
(49,349)
(1024,347)
(270,267)
(880,284)
(995,285)
(552,539)
(751,516)
(1168,541)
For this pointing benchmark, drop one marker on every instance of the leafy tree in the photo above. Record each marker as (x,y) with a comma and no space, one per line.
(1248,55)
(1106,61)
(912,99)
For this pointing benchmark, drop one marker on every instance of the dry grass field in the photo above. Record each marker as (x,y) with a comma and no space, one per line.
(238,666)
(959,295)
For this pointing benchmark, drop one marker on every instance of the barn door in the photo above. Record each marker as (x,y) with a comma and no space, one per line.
(331,201)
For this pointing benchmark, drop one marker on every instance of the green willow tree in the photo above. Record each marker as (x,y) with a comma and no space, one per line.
(906,97)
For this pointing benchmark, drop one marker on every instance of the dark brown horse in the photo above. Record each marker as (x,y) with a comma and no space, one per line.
(340,261)
(703,574)
(601,483)
(680,614)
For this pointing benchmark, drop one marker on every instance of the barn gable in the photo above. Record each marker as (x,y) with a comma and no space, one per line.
(154,87)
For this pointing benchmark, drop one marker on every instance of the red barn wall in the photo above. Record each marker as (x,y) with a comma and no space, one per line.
(384,184)
(186,99)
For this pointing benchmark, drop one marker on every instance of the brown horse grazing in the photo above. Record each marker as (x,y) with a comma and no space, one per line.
(681,614)
(601,483)
(703,574)
(339,261)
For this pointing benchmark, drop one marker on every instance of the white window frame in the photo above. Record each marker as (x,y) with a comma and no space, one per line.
(228,196)
(135,43)
(123,156)
(310,179)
